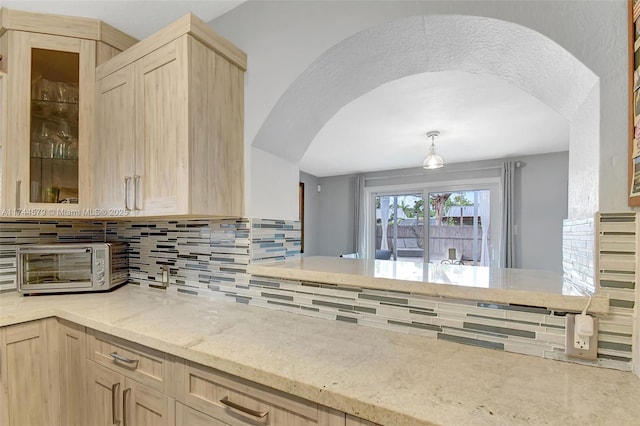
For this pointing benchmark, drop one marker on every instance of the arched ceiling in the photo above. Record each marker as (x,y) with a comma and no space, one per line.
(479,116)
(515,61)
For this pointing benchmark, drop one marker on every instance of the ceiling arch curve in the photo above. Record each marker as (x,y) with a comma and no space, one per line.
(522,57)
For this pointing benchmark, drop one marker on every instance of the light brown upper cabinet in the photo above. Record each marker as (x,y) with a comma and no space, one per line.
(170,125)
(50,64)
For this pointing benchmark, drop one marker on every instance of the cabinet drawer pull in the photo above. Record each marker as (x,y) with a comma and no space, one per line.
(18,184)
(132,362)
(245,410)
(124,406)
(114,396)
(127,179)
(136,191)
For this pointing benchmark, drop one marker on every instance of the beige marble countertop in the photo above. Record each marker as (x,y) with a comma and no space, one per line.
(387,377)
(499,285)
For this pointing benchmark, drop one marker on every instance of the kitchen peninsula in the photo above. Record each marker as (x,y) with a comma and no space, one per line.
(484,284)
(382,376)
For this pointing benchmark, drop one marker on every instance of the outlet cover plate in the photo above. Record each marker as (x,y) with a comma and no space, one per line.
(592,353)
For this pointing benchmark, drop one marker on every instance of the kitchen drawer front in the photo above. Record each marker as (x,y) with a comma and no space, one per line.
(146,365)
(187,416)
(236,401)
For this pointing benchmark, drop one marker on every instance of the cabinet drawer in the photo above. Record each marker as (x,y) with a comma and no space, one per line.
(237,401)
(147,366)
(187,416)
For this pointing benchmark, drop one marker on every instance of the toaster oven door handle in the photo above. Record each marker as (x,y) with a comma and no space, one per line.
(54,250)
(133,363)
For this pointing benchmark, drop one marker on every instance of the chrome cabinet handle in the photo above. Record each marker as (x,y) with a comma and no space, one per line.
(124,406)
(127,179)
(18,184)
(114,396)
(133,362)
(244,410)
(136,191)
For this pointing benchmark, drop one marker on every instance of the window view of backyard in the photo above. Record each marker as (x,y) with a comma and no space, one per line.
(458,227)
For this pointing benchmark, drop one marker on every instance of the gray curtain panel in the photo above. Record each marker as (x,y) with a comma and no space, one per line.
(508,237)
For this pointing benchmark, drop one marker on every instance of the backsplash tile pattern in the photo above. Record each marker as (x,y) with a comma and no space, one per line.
(202,255)
(208,258)
(578,238)
(14,233)
(273,240)
(617,245)
(520,329)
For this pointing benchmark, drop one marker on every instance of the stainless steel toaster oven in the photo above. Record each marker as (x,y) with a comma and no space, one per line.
(71,267)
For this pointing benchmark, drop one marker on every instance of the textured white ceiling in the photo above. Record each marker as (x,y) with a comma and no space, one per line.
(479,117)
(138,18)
(522,59)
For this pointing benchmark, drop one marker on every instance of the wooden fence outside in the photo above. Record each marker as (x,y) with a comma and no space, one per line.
(443,237)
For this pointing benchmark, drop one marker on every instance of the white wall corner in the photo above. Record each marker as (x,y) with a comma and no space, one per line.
(274,187)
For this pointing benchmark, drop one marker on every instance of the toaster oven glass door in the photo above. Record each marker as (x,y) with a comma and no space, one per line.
(47,270)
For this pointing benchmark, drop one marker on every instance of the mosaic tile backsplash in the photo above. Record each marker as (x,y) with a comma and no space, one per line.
(578,239)
(204,257)
(617,277)
(208,258)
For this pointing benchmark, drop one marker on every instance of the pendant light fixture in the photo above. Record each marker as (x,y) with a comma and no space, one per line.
(433,160)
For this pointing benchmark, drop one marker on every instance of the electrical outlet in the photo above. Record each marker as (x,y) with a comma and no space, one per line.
(580,342)
(580,346)
(165,276)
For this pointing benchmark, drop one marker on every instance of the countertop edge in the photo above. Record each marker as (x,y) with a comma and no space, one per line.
(599,304)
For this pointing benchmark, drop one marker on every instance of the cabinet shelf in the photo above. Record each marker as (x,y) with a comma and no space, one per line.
(53,111)
(55,160)
(46,101)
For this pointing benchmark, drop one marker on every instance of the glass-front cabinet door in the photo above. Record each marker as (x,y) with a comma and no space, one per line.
(54,116)
(53,88)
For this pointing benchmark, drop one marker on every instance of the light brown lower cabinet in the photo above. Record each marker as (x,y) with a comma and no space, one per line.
(234,401)
(104,391)
(73,373)
(28,381)
(118,400)
(55,372)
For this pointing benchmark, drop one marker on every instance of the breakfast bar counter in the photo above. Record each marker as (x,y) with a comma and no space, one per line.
(498,285)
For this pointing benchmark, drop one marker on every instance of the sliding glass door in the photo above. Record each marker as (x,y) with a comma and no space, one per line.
(399,226)
(459,225)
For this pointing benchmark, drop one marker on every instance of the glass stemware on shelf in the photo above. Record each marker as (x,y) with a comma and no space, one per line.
(55,104)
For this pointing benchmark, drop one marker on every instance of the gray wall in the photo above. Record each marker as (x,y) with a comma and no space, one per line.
(335,225)
(540,205)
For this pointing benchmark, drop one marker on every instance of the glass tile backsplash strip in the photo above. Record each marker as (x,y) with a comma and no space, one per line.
(617,242)
(528,330)
(201,254)
(578,241)
(208,258)
(14,233)
(274,240)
